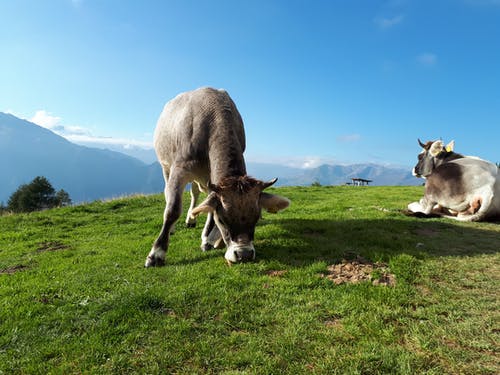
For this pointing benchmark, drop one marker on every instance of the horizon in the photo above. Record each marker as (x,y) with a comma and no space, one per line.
(321,83)
(292,164)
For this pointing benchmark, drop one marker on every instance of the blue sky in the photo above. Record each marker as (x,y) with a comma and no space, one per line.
(315,81)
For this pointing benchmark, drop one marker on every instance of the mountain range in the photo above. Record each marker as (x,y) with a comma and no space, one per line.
(86,173)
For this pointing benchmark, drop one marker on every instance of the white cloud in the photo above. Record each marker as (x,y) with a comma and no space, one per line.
(388,22)
(82,135)
(427,59)
(45,119)
(303,162)
(348,138)
(127,143)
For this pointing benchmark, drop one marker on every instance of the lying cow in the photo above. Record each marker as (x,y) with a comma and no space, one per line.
(465,188)
(200,138)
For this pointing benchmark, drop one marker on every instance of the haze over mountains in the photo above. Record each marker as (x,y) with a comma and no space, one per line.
(86,173)
(28,150)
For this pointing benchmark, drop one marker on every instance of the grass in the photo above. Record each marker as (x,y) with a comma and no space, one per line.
(75,298)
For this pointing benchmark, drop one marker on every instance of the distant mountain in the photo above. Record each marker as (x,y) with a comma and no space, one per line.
(28,150)
(266,172)
(146,155)
(342,174)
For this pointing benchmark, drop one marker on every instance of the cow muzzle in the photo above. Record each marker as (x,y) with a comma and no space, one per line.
(239,253)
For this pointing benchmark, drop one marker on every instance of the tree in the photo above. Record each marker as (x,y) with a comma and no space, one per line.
(37,195)
(62,198)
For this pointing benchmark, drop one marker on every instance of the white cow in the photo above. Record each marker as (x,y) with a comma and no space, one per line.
(465,188)
(200,138)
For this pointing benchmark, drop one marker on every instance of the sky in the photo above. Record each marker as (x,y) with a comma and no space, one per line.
(316,81)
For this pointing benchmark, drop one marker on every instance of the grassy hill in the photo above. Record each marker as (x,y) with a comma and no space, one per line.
(75,298)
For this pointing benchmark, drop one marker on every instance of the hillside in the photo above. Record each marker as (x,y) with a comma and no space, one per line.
(28,150)
(75,297)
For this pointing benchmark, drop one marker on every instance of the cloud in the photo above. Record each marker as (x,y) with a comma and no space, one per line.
(385,23)
(82,135)
(304,162)
(127,143)
(45,119)
(348,138)
(427,59)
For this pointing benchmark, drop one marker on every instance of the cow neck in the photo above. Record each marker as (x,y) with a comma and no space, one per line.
(226,158)
(449,156)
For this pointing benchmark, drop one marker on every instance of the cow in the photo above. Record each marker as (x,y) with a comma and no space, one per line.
(464,188)
(200,138)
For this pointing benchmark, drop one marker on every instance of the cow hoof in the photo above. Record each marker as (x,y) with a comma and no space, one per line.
(206,247)
(155,258)
(190,225)
(154,262)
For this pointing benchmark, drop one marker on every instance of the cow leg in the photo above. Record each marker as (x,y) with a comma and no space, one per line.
(210,237)
(173,208)
(478,208)
(423,206)
(195,193)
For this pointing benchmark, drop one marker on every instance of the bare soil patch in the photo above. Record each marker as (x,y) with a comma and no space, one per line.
(12,270)
(359,270)
(51,246)
(276,273)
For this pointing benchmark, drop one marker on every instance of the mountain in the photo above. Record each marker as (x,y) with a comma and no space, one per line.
(146,155)
(342,174)
(86,173)
(28,150)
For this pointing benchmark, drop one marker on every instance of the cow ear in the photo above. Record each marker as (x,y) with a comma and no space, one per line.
(273,203)
(450,146)
(207,206)
(436,148)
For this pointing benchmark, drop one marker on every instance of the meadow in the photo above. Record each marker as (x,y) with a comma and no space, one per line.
(75,297)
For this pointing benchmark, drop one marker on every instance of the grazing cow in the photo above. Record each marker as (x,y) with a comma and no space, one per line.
(465,188)
(200,138)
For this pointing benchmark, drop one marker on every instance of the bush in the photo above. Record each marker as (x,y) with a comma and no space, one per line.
(37,195)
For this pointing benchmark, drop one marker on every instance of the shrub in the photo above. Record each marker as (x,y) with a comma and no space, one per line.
(37,195)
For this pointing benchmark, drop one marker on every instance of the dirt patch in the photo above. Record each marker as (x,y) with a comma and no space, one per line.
(51,246)
(276,273)
(12,270)
(333,323)
(359,270)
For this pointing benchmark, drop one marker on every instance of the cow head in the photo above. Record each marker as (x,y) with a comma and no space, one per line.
(433,154)
(236,204)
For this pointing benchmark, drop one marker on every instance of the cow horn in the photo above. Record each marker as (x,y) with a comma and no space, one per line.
(265,185)
(420,143)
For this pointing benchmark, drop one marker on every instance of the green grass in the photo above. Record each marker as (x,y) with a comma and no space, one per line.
(75,298)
